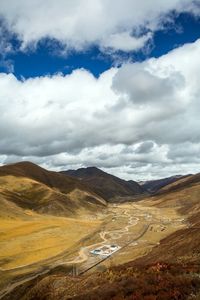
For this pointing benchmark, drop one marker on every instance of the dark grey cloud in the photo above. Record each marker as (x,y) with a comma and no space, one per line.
(144,87)
(145,147)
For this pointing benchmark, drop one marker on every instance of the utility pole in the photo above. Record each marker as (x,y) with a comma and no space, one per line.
(74,270)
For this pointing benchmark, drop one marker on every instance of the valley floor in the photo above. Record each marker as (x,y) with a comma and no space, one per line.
(44,244)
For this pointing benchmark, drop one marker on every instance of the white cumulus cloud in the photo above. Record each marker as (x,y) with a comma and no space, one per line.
(132,120)
(80,23)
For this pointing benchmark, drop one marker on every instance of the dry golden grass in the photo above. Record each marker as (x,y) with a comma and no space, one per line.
(26,242)
(29,194)
(39,237)
(31,241)
(164,221)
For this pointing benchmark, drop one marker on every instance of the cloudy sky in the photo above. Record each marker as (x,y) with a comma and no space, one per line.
(112,84)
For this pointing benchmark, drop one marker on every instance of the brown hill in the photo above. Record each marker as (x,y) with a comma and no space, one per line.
(106,185)
(32,187)
(159,281)
(182,183)
(183,245)
(49,178)
(170,271)
(154,186)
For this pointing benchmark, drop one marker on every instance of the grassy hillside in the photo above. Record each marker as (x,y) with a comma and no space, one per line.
(106,185)
(159,281)
(183,245)
(38,237)
(180,184)
(170,271)
(30,187)
(154,186)
(42,215)
(64,184)
(183,194)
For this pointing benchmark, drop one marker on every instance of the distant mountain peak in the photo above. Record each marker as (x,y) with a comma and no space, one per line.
(106,185)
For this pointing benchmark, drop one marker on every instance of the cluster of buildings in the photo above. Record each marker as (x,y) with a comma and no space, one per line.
(105,250)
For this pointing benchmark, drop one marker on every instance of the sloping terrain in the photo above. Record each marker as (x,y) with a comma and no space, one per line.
(106,185)
(31,187)
(154,186)
(170,271)
(183,245)
(43,215)
(152,282)
(182,183)
(182,194)
(34,238)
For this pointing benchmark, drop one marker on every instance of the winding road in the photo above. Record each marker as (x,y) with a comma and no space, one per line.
(83,256)
(106,236)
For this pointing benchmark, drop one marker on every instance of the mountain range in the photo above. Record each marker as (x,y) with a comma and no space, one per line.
(153,186)
(30,194)
(31,187)
(109,187)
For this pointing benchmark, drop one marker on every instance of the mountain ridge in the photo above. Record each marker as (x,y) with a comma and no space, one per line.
(169,271)
(32,187)
(106,185)
(153,186)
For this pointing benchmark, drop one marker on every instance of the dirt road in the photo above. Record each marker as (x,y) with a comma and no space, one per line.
(107,237)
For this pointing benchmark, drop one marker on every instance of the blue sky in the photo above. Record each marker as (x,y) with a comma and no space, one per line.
(45,58)
(116,87)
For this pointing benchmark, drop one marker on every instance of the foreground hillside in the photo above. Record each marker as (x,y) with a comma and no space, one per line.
(171,270)
(159,281)
(106,185)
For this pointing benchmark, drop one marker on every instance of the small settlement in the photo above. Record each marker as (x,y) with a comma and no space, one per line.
(105,250)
